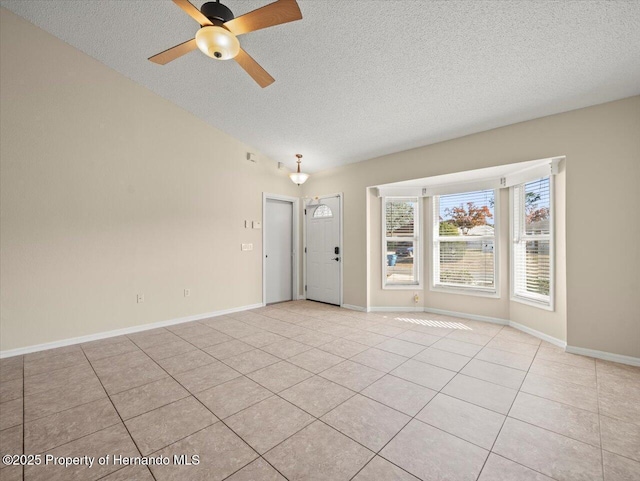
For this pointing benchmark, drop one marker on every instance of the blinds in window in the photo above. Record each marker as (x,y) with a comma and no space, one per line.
(531,241)
(401,241)
(400,214)
(464,240)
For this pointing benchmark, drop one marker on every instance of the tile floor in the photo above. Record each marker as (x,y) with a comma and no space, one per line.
(306,391)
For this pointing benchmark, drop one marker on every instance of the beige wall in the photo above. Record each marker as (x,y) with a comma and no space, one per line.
(109,191)
(602,175)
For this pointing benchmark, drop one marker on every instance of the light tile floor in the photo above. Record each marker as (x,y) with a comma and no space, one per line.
(306,391)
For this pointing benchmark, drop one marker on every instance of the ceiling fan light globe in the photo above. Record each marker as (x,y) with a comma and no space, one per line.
(298,177)
(217,42)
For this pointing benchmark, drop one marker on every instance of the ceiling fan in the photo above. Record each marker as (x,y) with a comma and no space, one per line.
(219,28)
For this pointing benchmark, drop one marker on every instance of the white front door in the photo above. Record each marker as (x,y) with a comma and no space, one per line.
(278,250)
(324,252)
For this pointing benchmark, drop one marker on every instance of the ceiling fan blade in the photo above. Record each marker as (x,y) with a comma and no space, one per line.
(193,12)
(254,69)
(281,11)
(174,52)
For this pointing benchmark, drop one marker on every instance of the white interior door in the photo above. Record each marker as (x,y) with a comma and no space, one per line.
(278,250)
(324,252)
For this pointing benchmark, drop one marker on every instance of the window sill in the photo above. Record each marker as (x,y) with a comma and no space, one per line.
(401,287)
(547,306)
(465,291)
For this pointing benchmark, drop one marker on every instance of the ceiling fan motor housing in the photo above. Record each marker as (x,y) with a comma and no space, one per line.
(215,11)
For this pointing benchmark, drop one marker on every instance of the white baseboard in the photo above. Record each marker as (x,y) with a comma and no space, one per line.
(540,335)
(464,315)
(474,317)
(396,309)
(119,332)
(606,356)
(354,308)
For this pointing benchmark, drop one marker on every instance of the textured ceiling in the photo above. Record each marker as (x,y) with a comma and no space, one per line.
(356,79)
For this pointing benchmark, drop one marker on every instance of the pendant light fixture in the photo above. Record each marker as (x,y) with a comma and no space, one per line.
(217,42)
(298,177)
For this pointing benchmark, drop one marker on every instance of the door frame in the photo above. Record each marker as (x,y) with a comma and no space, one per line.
(295,239)
(307,201)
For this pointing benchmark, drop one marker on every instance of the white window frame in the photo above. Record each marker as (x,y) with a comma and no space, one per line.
(417,239)
(434,285)
(533,299)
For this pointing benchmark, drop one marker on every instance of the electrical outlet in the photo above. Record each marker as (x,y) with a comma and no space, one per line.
(247,247)
(187,292)
(416,298)
(140,298)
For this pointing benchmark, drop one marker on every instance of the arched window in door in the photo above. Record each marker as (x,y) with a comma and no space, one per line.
(322,211)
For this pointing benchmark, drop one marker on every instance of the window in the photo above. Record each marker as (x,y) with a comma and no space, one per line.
(401,238)
(532,248)
(464,247)
(322,211)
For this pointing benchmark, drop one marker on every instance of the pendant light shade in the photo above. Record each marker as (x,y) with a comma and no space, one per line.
(217,42)
(298,177)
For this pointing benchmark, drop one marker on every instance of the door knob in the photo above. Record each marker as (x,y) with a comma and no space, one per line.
(336,259)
